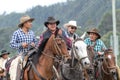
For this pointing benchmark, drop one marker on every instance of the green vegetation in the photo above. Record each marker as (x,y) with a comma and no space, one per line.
(87,13)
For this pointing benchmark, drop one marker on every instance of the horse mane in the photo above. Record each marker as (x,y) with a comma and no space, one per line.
(39,52)
(78,39)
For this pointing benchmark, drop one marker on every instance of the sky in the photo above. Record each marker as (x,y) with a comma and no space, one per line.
(9,6)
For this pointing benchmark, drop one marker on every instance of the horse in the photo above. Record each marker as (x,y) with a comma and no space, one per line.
(108,67)
(42,62)
(74,69)
(90,71)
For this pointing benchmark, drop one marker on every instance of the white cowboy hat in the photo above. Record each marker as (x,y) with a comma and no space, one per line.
(71,23)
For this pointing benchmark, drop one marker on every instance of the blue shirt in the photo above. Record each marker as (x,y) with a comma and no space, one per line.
(99,45)
(19,37)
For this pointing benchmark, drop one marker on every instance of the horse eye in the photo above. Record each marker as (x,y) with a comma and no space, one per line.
(76,47)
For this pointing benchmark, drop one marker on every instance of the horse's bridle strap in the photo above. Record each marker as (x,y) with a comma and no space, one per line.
(52,57)
(36,72)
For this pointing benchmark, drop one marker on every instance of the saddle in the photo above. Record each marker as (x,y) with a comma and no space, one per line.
(8,63)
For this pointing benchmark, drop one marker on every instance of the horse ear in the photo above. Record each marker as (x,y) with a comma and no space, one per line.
(83,36)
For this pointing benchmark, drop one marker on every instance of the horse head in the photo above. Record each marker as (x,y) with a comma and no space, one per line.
(80,51)
(58,46)
(109,64)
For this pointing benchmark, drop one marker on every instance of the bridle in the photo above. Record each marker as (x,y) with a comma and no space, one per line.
(57,58)
(108,68)
(57,50)
(75,51)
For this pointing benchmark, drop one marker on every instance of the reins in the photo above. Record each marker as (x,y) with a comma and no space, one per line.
(107,73)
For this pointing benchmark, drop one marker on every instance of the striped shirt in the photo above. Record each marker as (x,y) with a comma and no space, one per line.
(20,37)
(99,45)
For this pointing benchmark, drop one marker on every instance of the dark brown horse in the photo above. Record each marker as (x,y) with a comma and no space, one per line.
(109,66)
(42,65)
(89,73)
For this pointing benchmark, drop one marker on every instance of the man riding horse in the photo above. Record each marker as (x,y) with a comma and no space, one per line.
(52,28)
(21,40)
(95,44)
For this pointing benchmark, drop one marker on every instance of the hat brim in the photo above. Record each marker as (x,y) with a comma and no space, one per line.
(99,36)
(4,54)
(57,22)
(20,24)
(67,25)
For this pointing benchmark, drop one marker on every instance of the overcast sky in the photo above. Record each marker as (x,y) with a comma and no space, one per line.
(22,5)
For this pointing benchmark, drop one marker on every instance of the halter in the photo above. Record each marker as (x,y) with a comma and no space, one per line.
(57,49)
(107,73)
(75,52)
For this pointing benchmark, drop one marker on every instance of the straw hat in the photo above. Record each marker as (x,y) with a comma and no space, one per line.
(24,19)
(4,52)
(71,23)
(94,30)
(51,20)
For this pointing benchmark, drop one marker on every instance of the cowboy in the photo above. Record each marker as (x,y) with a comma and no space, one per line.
(71,29)
(96,45)
(23,38)
(95,41)
(52,28)
(3,59)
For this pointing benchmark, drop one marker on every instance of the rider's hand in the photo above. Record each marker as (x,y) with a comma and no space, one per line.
(24,45)
(32,44)
(60,32)
(71,38)
(100,53)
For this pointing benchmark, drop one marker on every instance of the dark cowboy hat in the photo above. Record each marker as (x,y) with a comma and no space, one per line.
(94,30)
(4,52)
(24,19)
(51,20)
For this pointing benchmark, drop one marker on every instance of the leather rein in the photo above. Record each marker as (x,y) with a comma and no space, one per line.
(107,73)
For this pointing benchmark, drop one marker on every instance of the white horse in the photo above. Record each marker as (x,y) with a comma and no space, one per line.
(79,50)
(78,63)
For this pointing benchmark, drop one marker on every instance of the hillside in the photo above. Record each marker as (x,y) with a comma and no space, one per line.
(86,12)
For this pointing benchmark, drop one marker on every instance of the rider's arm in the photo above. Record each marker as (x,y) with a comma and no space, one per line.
(14,43)
(67,40)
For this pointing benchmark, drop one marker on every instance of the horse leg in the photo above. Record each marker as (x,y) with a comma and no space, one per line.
(86,77)
(25,75)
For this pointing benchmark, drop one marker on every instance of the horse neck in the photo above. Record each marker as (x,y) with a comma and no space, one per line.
(50,44)
(90,54)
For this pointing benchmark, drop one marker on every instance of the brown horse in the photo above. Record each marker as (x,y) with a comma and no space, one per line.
(89,73)
(109,66)
(42,65)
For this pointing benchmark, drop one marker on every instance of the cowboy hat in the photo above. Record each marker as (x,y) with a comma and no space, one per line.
(24,19)
(94,30)
(51,20)
(71,23)
(4,52)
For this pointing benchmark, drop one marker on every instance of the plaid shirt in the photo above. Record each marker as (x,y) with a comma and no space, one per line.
(19,37)
(99,45)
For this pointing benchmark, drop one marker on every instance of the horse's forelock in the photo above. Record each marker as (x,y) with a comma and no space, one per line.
(81,47)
